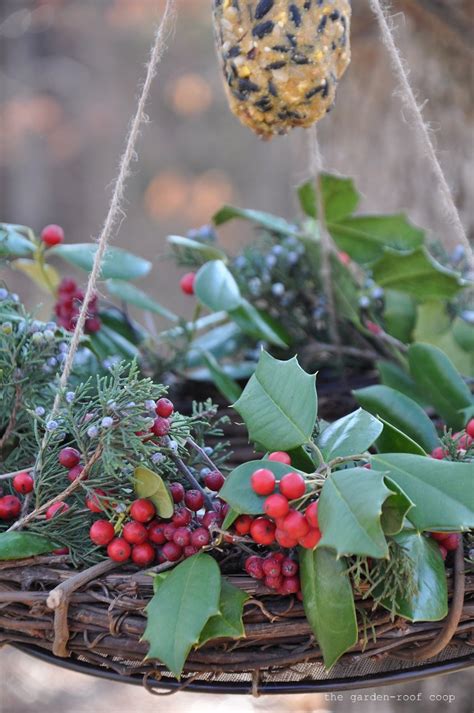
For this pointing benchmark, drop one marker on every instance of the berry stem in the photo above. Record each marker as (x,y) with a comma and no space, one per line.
(202,453)
(190,477)
(345,459)
(6,476)
(317,452)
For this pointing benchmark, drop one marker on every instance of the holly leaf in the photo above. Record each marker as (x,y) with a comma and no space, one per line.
(349,435)
(397,378)
(126,292)
(228,623)
(203,250)
(150,485)
(328,602)
(393,440)
(264,220)
(441,491)
(47,278)
(18,545)
(216,288)
(178,612)
(279,404)
(349,512)
(340,197)
(399,315)
(394,509)
(119,264)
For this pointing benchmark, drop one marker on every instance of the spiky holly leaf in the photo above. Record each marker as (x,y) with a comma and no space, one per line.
(349,435)
(228,623)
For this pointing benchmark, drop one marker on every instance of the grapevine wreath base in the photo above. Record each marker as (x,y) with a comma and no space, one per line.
(99,620)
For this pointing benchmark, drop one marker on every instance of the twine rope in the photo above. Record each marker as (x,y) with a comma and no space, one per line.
(408,97)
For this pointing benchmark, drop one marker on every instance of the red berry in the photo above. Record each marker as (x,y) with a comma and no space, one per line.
(194,499)
(177,492)
(142,510)
(263,481)
(182,536)
(55,509)
(61,551)
(276,506)
(311,514)
(10,507)
(253,567)
(289,567)
(464,442)
(182,517)
(214,480)
(290,585)
(271,566)
(134,533)
(242,524)
(102,532)
(172,551)
(438,453)
(284,539)
(292,486)
(200,537)
(92,325)
(211,518)
(311,539)
(119,550)
(161,426)
(299,596)
(273,582)
(23,483)
(169,530)
(279,556)
(164,408)
(262,531)
(470,428)
(143,554)
(94,503)
(52,235)
(295,524)
(451,542)
(69,457)
(439,536)
(443,551)
(75,472)
(190,551)
(156,532)
(280,457)
(187,283)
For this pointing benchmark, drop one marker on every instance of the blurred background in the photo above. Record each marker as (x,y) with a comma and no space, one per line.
(68,84)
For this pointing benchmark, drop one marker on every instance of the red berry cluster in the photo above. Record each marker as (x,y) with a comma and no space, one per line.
(447,541)
(463,439)
(68,305)
(10,505)
(278,571)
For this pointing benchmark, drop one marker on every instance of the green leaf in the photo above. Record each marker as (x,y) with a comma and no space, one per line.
(263,220)
(350,435)
(279,404)
(430,600)
(416,273)
(259,325)
(227,386)
(397,378)
(439,381)
(441,491)
(204,250)
(230,518)
(238,492)
(106,342)
(220,341)
(399,315)
(399,411)
(340,197)
(463,333)
(46,278)
(394,509)
(180,609)
(345,291)
(216,287)
(301,459)
(150,485)
(124,325)
(119,264)
(18,545)
(349,512)
(228,623)
(307,197)
(393,440)
(328,602)
(366,237)
(435,326)
(130,294)
(13,243)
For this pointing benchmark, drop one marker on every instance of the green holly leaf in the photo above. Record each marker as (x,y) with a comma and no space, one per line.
(393,440)
(216,288)
(349,512)
(228,623)
(394,509)
(345,291)
(349,435)
(204,251)
(126,292)
(268,221)
(119,264)
(340,197)
(182,606)
(397,378)
(435,326)
(441,491)
(328,602)
(279,404)
(150,485)
(18,545)
(399,315)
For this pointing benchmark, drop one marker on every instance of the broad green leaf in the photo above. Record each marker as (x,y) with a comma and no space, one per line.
(227,386)
(279,404)
(463,333)
(259,325)
(441,384)
(328,602)
(393,440)
(366,237)
(416,273)
(263,220)
(216,287)
(148,484)
(441,491)
(46,278)
(13,243)
(399,315)
(349,435)
(397,378)
(340,197)
(394,509)
(430,601)
(400,411)
(349,512)
(435,326)
(307,198)
(301,460)
(228,623)
(204,250)
(118,264)
(238,492)
(230,518)
(220,341)
(345,289)
(130,294)
(18,545)
(178,612)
